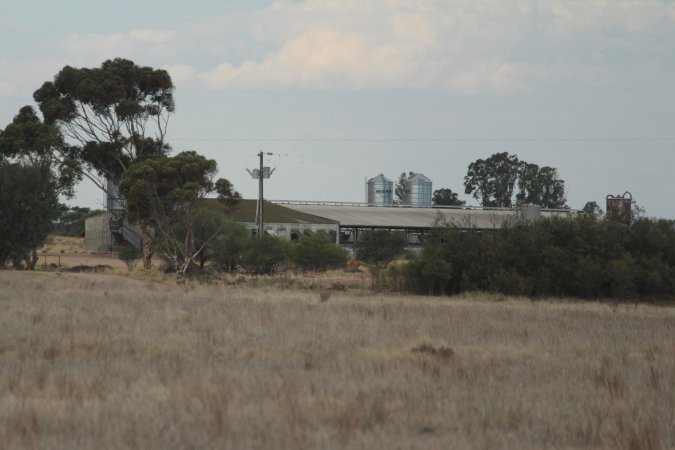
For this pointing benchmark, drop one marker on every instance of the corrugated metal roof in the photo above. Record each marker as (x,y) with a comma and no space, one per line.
(245,210)
(396,217)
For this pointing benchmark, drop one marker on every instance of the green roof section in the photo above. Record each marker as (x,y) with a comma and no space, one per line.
(244,211)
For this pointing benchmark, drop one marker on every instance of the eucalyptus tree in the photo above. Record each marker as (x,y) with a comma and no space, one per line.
(541,186)
(402,185)
(502,178)
(446,197)
(112,115)
(29,140)
(28,203)
(167,194)
(31,180)
(592,208)
(492,181)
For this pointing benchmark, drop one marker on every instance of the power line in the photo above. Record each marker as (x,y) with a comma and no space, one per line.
(427,140)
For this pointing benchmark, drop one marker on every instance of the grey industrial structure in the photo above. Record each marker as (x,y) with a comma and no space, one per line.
(279,221)
(104,232)
(344,221)
(415,222)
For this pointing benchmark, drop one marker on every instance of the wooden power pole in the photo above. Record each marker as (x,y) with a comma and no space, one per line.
(261,173)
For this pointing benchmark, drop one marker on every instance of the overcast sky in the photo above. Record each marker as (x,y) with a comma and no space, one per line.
(341,90)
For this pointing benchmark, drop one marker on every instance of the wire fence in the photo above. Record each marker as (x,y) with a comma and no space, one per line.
(48,262)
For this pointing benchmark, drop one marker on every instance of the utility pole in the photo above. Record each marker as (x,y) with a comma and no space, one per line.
(260,174)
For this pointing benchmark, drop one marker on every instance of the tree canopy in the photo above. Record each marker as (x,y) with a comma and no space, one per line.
(116,113)
(165,194)
(31,140)
(28,203)
(493,182)
(402,186)
(445,197)
(380,246)
(593,208)
(540,186)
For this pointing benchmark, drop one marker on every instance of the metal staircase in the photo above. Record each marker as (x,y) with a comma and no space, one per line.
(120,228)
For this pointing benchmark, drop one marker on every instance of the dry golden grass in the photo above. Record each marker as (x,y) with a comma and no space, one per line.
(89,361)
(63,244)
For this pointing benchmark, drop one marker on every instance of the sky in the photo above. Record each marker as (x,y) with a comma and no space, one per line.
(342,90)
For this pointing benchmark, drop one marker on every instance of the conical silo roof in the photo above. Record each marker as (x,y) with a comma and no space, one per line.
(419,178)
(380,178)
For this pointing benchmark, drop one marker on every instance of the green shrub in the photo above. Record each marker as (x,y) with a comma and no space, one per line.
(227,249)
(380,247)
(318,252)
(510,282)
(264,256)
(583,257)
(129,255)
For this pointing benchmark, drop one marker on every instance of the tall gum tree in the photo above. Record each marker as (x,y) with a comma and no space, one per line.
(34,171)
(166,194)
(31,141)
(493,183)
(113,115)
(28,203)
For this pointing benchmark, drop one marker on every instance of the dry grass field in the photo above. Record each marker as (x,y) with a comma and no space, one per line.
(92,361)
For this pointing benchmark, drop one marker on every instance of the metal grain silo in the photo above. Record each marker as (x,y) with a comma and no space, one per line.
(418,191)
(380,191)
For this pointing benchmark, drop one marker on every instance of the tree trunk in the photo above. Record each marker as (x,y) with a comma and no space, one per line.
(32,259)
(147,251)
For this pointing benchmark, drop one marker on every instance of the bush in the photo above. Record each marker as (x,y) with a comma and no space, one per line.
(380,246)
(318,252)
(263,256)
(510,282)
(227,249)
(129,255)
(583,257)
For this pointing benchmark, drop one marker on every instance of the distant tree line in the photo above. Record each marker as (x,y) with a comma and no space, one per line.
(582,257)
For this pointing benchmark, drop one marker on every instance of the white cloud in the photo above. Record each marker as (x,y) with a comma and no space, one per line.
(468,47)
(319,58)
(181,74)
(463,46)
